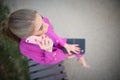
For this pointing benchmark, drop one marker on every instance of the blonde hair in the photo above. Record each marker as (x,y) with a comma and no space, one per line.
(20,24)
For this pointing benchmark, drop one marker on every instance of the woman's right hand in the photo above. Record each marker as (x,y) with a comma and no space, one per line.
(45,43)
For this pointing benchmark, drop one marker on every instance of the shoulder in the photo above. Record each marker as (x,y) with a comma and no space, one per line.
(26,47)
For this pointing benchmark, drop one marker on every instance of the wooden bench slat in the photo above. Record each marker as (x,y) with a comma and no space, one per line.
(52,71)
(56,77)
(41,67)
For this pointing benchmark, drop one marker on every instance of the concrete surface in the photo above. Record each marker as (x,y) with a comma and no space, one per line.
(98,21)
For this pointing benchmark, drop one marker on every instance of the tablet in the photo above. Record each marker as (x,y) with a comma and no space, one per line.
(81,43)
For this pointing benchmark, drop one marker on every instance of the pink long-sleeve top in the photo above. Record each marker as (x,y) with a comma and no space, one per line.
(41,56)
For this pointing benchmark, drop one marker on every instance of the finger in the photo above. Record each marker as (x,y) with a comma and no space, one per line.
(77,48)
(39,43)
(69,52)
(43,44)
(42,37)
(76,45)
(51,42)
(47,40)
(76,52)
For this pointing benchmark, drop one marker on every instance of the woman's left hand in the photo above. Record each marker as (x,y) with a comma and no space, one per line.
(72,48)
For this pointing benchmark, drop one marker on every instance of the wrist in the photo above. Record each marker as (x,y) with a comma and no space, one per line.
(49,50)
(66,45)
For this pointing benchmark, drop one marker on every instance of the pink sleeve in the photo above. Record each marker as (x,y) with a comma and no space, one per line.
(41,56)
(57,39)
(53,35)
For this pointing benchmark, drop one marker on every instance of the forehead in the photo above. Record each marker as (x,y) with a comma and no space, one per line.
(38,22)
(38,18)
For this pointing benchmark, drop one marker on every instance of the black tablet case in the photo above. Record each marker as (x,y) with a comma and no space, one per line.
(81,43)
